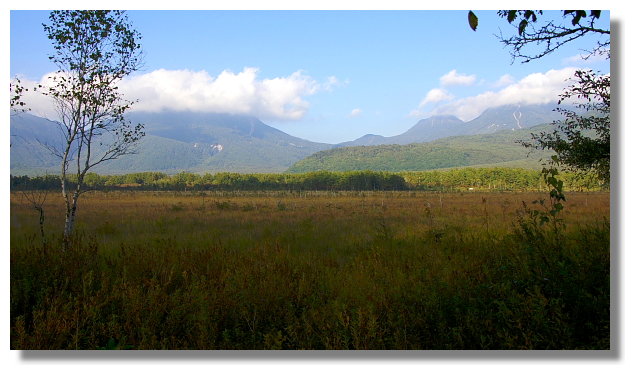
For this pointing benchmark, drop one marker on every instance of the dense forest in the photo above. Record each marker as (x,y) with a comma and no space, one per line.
(477,179)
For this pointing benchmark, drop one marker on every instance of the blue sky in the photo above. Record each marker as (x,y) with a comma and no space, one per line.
(327,76)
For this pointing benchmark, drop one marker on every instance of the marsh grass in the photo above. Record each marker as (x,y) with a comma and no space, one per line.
(311,270)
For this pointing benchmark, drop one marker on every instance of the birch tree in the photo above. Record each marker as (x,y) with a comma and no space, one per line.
(93,51)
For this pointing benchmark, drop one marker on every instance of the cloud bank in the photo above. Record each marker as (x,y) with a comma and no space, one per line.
(280,98)
(536,88)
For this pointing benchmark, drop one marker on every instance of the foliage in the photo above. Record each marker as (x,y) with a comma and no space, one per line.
(534,30)
(531,221)
(582,140)
(16,101)
(93,50)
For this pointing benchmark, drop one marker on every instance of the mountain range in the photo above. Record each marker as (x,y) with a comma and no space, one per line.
(509,117)
(205,142)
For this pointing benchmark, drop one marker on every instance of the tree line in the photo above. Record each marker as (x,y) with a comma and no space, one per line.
(477,179)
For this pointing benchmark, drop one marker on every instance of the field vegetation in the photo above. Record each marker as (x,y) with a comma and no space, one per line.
(312,270)
(460,179)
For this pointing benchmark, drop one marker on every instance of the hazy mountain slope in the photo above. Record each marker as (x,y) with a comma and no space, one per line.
(511,117)
(430,129)
(222,142)
(492,120)
(28,135)
(500,147)
(173,142)
(366,140)
(198,142)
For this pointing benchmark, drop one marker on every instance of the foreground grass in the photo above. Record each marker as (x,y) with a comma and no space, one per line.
(311,271)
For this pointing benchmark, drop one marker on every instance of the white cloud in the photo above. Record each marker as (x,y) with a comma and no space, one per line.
(435,96)
(504,80)
(537,88)
(453,78)
(355,112)
(280,98)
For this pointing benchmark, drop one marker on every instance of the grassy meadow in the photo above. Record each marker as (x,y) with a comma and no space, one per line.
(311,270)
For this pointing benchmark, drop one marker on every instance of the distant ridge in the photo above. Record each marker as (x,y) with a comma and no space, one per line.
(499,148)
(491,120)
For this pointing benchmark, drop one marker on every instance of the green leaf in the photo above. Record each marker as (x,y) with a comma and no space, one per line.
(533,17)
(473,20)
(579,14)
(521,27)
(528,13)
(511,16)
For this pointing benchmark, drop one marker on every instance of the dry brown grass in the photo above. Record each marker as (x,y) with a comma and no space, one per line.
(325,270)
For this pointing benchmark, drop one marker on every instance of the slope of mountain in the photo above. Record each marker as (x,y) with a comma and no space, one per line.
(366,140)
(430,129)
(512,117)
(198,142)
(495,148)
(28,135)
(174,142)
(492,120)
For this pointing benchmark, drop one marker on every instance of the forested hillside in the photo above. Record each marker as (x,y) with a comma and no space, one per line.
(460,151)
